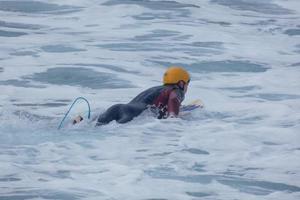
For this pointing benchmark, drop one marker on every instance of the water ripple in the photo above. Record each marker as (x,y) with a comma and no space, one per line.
(219,66)
(20,25)
(254,5)
(11,33)
(35,7)
(154,5)
(79,77)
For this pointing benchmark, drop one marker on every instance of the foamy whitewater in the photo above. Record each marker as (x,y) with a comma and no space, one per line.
(244,58)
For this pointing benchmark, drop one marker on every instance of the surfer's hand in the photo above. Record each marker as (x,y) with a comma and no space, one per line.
(172,115)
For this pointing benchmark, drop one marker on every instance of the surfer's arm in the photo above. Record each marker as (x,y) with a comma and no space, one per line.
(173,104)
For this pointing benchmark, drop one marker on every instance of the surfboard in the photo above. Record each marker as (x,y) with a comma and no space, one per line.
(196,104)
(185,109)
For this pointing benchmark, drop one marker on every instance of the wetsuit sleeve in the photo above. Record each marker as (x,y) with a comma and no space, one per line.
(173,104)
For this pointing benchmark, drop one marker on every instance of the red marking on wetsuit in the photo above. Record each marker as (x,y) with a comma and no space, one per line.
(167,102)
(173,103)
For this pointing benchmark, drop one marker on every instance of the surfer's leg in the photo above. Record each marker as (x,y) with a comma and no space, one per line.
(122,113)
(125,118)
(112,113)
(129,111)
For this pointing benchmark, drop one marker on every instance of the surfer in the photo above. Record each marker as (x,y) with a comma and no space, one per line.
(164,100)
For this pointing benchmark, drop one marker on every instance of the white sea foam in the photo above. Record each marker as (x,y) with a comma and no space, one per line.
(244,60)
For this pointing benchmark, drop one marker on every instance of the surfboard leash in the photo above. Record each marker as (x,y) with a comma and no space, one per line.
(67,113)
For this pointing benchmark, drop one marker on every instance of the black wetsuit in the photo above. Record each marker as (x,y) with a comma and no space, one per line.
(165,99)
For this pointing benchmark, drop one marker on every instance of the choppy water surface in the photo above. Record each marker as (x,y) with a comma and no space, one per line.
(244,60)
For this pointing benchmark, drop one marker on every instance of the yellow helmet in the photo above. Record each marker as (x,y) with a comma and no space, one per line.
(175,74)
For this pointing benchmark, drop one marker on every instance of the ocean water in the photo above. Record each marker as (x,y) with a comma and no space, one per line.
(244,59)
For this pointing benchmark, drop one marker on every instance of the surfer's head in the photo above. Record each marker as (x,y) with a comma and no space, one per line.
(177,76)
